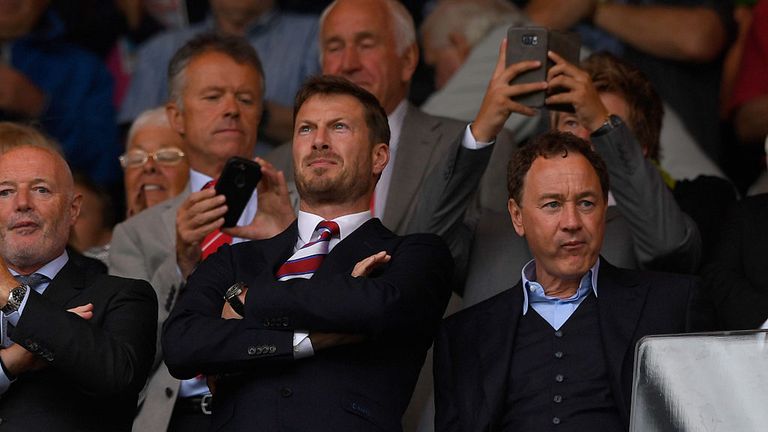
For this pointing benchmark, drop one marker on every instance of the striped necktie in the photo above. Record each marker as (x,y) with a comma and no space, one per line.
(305,261)
(213,241)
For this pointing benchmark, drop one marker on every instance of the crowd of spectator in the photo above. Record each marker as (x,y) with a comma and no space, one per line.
(146,100)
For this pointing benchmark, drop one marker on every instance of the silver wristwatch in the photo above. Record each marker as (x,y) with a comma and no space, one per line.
(15,297)
(231,297)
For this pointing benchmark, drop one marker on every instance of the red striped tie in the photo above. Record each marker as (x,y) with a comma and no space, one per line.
(307,260)
(216,239)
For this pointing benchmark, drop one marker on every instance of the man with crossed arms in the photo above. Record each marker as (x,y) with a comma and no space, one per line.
(370,303)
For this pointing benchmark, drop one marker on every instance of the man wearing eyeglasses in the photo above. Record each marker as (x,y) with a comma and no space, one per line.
(154,164)
(215,105)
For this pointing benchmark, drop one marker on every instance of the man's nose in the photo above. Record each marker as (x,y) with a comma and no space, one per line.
(231,106)
(320,139)
(351,59)
(150,167)
(570,218)
(23,201)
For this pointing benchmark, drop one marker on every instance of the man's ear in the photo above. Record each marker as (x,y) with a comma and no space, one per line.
(516,214)
(410,61)
(75,206)
(174,115)
(380,158)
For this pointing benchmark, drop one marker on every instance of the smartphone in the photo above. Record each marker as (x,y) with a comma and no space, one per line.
(532,43)
(236,183)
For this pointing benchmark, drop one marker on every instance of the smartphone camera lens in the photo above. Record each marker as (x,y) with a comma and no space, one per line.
(530,40)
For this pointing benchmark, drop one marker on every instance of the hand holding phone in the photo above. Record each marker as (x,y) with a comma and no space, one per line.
(237,182)
(533,43)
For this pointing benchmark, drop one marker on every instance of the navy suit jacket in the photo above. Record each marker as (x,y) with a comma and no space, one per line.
(473,349)
(95,368)
(362,386)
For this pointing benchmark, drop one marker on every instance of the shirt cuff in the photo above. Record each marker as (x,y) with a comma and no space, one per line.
(13,317)
(302,345)
(469,141)
(5,381)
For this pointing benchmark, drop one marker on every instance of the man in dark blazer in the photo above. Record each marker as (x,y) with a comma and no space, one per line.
(77,344)
(341,348)
(557,349)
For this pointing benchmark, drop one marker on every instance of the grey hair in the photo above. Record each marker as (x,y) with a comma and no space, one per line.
(402,22)
(150,117)
(236,48)
(472,18)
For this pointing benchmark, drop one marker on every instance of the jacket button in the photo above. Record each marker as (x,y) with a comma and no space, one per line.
(252,350)
(559,378)
(286,392)
(168,392)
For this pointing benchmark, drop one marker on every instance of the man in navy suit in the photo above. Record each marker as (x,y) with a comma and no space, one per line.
(341,348)
(557,349)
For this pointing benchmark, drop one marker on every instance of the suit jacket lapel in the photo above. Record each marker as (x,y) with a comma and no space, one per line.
(621,299)
(495,352)
(417,141)
(66,285)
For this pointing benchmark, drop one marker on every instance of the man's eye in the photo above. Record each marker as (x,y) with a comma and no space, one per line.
(211,97)
(41,190)
(551,205)
(586,204)
(5,192)
(340,126)
(303,130)
(248,100)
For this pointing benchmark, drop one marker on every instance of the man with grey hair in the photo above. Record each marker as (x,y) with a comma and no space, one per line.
(217,86)
(154,164)
(285,42)
(77,345)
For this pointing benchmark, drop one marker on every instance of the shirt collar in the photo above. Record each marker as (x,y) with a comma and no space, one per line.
(528,275)
(347,224)
(52,268)
(197,180)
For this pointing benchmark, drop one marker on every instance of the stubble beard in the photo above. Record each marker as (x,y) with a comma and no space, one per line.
(319,189)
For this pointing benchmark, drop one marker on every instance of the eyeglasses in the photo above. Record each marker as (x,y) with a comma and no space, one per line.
(164,156)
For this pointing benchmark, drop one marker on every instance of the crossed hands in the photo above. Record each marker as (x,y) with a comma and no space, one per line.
(18,360)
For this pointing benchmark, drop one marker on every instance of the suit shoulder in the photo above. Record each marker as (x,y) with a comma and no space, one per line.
(480,312)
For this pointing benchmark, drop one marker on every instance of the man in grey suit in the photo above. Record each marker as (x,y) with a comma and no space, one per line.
(215,104)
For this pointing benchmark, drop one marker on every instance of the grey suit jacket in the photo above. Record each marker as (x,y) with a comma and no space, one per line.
(144,247)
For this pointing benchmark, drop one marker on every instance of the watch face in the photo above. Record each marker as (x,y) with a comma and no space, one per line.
(234,291)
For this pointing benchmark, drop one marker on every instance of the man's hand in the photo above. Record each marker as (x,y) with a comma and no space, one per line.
(199,215)
(368,265)
(228,313)
(275,212)
(497,103)
(579,92)
(18,360)
(18,94)
(85,311)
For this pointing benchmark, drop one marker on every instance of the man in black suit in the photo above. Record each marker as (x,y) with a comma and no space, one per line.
(341,348)
(557,348)
(77,345)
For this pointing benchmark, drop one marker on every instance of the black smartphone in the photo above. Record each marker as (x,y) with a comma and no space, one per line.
(532,43)
(236,183)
